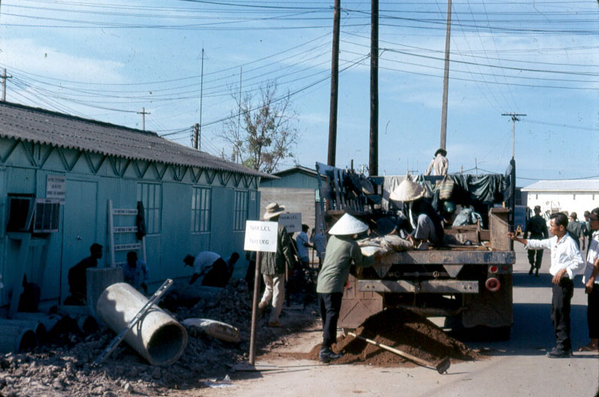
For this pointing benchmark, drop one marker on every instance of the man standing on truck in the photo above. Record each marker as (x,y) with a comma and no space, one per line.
(439,163)
(566,262)
(341,250)
(536,228)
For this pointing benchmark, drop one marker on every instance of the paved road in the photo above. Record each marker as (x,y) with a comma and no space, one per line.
(517,367)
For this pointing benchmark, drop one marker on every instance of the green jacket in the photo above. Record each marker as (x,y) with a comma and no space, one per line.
(272,263)
(340,252)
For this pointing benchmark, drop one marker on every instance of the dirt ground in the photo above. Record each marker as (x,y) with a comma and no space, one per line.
(63,366)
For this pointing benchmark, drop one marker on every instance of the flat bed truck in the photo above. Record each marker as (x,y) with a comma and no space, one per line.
(470,284)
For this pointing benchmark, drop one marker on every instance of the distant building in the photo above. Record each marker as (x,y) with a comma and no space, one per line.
(563,196)
(297,189)
(192,200)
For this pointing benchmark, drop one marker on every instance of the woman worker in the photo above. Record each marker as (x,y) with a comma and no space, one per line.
(341,251)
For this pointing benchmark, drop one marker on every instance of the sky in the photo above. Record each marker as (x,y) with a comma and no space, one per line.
(108,60)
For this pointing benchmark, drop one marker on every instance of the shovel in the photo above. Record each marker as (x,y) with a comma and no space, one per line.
(441,368)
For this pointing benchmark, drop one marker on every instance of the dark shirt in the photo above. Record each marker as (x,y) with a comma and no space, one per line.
(537,227)
(78,276)
(576,229)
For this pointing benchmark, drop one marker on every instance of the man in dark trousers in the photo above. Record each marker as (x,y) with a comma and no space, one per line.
(342,252)
(78,277)
(536,228)
(566,262)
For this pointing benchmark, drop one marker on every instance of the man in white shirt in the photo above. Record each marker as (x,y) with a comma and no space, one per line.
(210,265)
(566,262)
(439,163)
(591,282)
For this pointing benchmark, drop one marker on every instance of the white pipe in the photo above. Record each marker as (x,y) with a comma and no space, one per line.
(157,337)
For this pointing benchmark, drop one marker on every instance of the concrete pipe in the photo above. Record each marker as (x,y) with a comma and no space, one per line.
(157,337)
(16,338)
(36,326)
(49,320)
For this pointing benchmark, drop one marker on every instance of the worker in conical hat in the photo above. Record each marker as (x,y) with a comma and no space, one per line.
(423,225)
(341,252)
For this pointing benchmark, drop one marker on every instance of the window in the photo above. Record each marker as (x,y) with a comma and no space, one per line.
(240,214)
(201,201)
(150,194)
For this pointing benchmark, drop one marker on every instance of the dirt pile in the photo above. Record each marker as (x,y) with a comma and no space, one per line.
(403,330)
(63,365)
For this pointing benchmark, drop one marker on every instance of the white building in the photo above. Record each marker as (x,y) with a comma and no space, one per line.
(563,196)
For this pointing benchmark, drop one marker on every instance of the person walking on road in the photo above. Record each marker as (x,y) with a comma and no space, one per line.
(566,262)
(341,250)
(591,282)
(272,267)
(536,228)
(576,229)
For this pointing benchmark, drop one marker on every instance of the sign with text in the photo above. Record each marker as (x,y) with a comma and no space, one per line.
(56,188)
(260,236)
(292,222)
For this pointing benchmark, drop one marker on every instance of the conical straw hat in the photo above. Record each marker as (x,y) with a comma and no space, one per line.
(407,191)
(348,225)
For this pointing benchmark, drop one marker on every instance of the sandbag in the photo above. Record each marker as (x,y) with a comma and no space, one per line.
(216,329)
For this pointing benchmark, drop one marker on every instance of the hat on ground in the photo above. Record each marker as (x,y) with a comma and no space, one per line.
(442,151)
(594,215)
(272,210)
(407,191)
(348,225)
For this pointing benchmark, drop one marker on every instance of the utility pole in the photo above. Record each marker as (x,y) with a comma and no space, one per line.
(197,137)
(143,118)
(334,86)
(199,126)
(515,118)
(4,77)
(443,143)
(512,201)
(373,163)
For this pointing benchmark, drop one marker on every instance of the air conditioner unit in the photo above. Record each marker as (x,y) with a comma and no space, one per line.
(46,216)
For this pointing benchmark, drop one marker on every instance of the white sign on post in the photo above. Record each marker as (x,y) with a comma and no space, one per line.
(292,222)
(260,236)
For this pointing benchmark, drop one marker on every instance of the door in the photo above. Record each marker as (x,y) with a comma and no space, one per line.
(80,230)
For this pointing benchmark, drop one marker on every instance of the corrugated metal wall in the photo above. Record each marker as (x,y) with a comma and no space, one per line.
(84,216)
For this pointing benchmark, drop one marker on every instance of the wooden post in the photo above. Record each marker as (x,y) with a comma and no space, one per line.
(252,359)
(332,152)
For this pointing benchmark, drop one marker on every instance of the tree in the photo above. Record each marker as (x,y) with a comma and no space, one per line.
(261,135)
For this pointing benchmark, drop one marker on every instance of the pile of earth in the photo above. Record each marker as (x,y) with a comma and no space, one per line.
(63,365)
(403,330)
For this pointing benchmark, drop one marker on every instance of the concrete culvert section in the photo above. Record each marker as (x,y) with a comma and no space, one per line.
(157,337)
(16,338)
